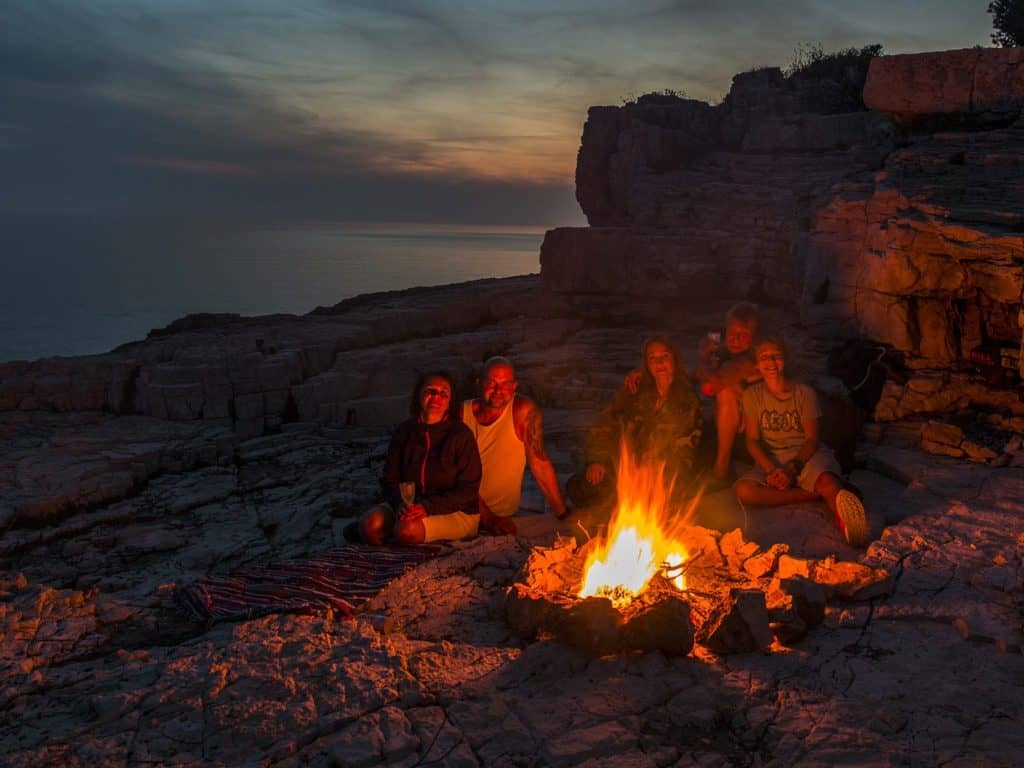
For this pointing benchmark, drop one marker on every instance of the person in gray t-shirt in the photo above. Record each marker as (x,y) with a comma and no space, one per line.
(790,464)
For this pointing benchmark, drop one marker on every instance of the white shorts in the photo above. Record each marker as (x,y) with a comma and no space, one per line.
(450,527)
(821,461)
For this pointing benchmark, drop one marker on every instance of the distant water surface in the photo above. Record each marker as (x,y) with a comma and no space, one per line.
(74,286)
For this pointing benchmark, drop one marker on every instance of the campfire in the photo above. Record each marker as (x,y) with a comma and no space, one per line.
(639,543)
(651,582)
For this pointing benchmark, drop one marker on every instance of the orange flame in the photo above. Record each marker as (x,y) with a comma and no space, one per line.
(639,542)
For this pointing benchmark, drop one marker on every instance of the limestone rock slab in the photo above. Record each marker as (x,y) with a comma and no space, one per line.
(971,80)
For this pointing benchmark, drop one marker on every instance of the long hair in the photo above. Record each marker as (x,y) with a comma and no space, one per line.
(454,404)
(680,378)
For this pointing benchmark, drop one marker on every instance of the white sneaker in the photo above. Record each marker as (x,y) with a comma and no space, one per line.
(852,519)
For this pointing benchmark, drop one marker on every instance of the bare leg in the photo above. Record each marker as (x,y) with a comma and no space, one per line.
(728,418)
(376,525)
(410,532)
(828,486)
(844,503)
(751,492)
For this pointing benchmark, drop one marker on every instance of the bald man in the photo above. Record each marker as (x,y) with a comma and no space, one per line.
(509,431)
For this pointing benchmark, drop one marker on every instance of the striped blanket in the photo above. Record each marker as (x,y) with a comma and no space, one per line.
(342,578)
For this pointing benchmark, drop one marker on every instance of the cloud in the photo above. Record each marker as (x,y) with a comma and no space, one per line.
(344,107)
(126,128)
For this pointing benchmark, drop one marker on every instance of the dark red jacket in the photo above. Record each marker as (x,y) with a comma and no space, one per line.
(442,459)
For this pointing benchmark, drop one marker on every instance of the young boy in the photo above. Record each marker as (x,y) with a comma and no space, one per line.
(723,375)
(781,419)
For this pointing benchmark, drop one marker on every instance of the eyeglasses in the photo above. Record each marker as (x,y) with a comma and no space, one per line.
(436,392)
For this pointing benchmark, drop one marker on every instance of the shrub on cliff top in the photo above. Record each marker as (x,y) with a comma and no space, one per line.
(1008,20)
(811,62)
(665,97)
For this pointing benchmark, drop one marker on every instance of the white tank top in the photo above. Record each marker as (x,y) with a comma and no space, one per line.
(503,457)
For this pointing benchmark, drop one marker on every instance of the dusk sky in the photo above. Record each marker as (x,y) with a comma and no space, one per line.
(397,111)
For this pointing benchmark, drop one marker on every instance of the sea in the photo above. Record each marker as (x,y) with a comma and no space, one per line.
(85,285)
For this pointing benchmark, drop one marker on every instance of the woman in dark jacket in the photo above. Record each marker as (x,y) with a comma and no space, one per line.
(659,422)
(432,474)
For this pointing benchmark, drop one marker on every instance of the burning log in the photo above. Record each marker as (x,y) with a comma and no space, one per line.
(592,625)
(659,621)
(664,626)
(528,612)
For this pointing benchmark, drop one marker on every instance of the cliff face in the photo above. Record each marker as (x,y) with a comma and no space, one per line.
(900,223)
(677,194)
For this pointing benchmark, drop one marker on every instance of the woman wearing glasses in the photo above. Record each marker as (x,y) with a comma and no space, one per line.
(432,474)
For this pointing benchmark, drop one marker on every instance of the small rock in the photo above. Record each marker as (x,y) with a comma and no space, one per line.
(795,566)
(854,581)
(736,549)
(738,625)
(761,565)
(786,624)
(925,385)
(977,451)
(702,546)
(942,433)
(941,449)
(384,624)
(795,606)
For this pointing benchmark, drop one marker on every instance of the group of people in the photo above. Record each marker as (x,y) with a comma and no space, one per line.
(779,419)
(450,473)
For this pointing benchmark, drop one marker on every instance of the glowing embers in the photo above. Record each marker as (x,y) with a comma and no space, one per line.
(639,542)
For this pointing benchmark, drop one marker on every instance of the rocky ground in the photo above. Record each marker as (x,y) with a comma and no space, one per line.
(103,514)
